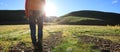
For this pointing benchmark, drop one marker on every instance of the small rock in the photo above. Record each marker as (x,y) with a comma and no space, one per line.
(69,49)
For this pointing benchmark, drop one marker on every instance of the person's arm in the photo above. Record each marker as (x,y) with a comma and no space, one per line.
(26,8)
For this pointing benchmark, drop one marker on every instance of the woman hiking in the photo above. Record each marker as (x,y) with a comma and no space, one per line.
(35,13)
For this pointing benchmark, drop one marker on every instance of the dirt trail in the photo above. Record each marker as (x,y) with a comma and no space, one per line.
(48,44)
(52,41)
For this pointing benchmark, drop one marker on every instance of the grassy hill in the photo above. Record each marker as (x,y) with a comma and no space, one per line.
(85,17)
(88,17)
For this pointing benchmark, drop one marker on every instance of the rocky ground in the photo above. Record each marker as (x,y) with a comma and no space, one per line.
(104,45)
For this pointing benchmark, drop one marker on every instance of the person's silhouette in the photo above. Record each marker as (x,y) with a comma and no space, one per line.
(35,13)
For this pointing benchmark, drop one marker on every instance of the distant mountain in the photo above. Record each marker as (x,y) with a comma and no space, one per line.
(89,17)
(50,19)
(17,17)
(12,17)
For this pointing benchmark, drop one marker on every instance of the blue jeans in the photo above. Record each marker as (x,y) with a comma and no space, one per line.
(36,17)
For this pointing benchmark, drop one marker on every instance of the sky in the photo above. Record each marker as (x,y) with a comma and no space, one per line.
(62,7)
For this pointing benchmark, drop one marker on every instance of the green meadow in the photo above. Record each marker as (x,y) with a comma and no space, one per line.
(12,35)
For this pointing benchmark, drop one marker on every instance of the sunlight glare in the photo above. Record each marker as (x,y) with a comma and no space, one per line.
(50,9)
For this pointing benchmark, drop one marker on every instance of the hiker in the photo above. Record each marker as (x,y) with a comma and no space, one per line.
(35,13)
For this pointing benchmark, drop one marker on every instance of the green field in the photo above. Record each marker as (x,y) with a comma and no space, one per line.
(13,35)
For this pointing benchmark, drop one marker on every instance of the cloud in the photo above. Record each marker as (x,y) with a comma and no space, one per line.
(115,1)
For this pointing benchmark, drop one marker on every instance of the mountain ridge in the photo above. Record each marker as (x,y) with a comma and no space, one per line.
(107,18)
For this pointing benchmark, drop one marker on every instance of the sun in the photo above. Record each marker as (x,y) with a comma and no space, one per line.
(50,9)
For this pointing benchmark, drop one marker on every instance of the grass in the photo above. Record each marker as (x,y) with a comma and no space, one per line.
(11,35)
(70,44)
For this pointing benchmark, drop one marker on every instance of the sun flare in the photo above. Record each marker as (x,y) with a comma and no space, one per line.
(50,9)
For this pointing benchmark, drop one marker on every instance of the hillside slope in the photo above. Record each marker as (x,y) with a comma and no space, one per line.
(88,17)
